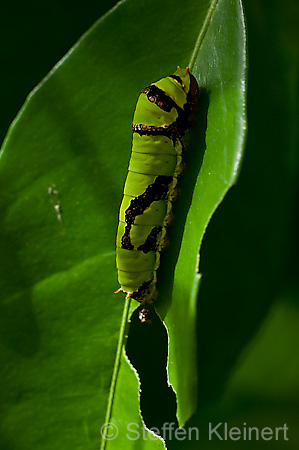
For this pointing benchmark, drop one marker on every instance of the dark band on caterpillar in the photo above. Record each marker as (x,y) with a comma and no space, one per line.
(160,98)
(142,291)
(156,191)
(177,78)
(151,242)
(172,131)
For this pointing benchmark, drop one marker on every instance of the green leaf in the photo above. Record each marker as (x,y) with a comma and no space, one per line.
(62,169)
(222,75)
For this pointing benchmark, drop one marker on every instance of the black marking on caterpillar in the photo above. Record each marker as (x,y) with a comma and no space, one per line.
(151,242)
(143,292)
(126,240)
(175,77)
(161,99)
(174,131)
(156,191)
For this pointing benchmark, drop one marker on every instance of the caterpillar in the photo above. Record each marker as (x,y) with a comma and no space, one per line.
(161,118)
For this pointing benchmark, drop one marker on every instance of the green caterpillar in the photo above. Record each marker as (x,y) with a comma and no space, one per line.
(161,118)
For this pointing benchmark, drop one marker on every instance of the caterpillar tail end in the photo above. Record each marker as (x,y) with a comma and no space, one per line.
(144,314)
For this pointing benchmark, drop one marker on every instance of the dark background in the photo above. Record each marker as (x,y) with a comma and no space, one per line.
(34,36)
